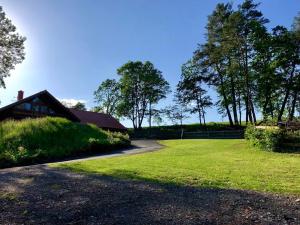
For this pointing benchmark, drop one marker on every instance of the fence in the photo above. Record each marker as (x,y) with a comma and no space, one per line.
(178,134)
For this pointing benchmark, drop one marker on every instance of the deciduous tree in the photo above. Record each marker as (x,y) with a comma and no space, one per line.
(11,45)
(142,85)
(107,96)
(79,106)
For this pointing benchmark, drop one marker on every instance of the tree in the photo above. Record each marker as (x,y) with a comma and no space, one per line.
(251,18)
(108,97)
(176,114)
(250,68)
(211,59)
(142,85)
(267,82)
(79,106)
(227,58)
(296,23)
(287,60)
(154,115)
(192,93)
(12,47)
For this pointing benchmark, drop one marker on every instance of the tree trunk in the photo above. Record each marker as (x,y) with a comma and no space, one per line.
(150,115)
(240,108)
(292,113)
(264,109)
(253,111)
(200,116)
(225,100)
(287,93)
(181,118)
(282,108)
(203,116)
(234,108)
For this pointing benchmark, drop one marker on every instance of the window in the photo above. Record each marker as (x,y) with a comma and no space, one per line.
(51,111)
(44,109)
(35,100)
(27,106)
(36,108)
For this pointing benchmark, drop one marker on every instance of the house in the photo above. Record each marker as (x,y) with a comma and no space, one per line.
(44,104)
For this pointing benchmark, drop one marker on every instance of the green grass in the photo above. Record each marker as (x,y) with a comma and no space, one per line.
(204,163)
(33,140)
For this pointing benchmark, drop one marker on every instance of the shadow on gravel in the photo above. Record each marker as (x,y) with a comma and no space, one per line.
(42,195)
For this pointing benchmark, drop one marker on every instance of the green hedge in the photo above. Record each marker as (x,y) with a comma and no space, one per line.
(37,140)
(267,139)
(273,139)
(174,131)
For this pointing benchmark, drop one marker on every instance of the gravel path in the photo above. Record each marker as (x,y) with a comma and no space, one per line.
(43,195)
(138,146)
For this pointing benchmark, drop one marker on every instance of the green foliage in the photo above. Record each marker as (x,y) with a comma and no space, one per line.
(191,92)
(204,163)
(108,96)
(274,139)
(269,139)
(142,86)
(12,47)
(33,140)
(250,67)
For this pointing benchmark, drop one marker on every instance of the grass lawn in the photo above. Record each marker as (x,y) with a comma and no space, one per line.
(204,163)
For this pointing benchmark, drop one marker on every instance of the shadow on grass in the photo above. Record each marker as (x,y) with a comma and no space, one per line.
(44,195)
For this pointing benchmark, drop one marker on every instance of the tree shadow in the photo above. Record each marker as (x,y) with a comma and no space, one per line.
(43,195)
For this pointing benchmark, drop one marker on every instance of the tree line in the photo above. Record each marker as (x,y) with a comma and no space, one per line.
(252,69)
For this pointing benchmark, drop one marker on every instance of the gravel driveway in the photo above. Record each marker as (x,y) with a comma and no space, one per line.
(137,147)
(43,195)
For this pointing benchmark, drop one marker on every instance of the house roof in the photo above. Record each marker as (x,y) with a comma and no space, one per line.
(100,119)
(50,98)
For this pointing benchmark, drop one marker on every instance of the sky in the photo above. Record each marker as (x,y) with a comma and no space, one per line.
(74,45)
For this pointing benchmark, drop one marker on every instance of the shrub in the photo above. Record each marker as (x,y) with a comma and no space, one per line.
(273,139)
(33,140)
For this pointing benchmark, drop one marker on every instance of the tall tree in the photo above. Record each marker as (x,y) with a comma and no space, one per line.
(287,61)
(228,55)
(210,56)
(296,94)
(251,19)
(12,47)
(107,96)
(192,92)
(142,85)
(267,83)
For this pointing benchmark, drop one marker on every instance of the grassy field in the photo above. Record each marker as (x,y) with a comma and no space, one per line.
(204,163)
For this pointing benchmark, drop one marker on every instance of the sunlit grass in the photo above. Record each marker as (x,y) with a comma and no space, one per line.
(204,163)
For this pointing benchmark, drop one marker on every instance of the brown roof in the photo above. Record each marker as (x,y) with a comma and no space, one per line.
(100,119)
(49,98)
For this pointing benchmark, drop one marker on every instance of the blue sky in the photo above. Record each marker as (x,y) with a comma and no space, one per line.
(73,45)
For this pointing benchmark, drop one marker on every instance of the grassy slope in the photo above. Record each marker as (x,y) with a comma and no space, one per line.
(32,140)
(206,163)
